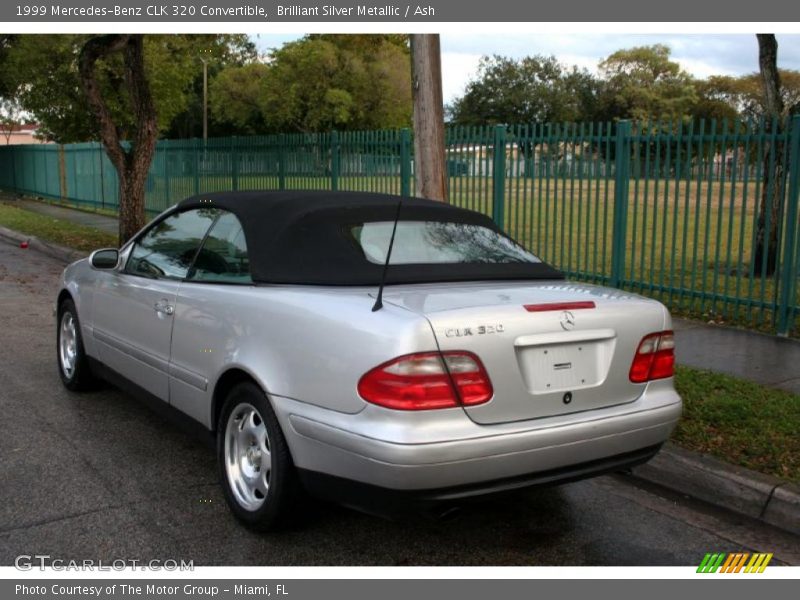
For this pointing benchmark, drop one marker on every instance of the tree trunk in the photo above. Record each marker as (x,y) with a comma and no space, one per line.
(133,218)
(426,81)
(132,163)
(765,253)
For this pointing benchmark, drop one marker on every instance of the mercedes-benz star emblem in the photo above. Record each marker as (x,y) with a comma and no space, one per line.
(567,320)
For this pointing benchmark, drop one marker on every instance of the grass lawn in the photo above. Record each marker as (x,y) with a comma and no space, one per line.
(56,231)
(740,422)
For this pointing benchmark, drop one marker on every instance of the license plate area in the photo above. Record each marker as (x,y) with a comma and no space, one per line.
(566,361)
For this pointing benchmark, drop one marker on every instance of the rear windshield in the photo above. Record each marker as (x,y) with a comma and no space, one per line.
(436,242)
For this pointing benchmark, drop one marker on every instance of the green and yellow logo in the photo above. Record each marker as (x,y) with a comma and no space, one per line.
(734,562)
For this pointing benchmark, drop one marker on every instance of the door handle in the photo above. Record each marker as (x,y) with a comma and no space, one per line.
(163,306)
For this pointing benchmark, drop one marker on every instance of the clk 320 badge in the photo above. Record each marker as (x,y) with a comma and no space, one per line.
(479,330)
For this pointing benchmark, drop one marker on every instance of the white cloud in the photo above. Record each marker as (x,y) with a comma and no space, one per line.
(702,69)
(457,69)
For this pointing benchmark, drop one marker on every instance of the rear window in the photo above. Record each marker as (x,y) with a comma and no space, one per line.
(436,242)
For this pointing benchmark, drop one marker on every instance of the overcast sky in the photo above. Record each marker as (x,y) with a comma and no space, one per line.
(699,54)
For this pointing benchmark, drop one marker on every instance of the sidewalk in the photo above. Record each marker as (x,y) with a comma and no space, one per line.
(101,222)
(764,359)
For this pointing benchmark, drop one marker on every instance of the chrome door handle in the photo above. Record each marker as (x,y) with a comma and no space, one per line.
(164,307)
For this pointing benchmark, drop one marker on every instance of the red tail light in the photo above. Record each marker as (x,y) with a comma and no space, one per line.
(655,358)
(427,380)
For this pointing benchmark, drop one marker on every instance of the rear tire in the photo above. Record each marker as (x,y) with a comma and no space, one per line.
(73,365)
(255,467)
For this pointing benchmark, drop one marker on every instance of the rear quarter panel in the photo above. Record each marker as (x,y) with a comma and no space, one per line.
(306,343)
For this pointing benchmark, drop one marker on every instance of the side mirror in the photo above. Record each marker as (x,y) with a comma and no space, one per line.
(107,258)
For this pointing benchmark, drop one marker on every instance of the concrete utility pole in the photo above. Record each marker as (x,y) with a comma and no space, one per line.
(426,81)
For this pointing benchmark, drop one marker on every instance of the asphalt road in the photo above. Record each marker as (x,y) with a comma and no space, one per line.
(101,476)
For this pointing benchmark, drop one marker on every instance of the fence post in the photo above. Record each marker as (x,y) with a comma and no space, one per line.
(622,161)
(282,161)
(334,160)
(101,154)
(499,176)
(13,152)
(234,164)
(74,169)
(789,274)
(196,167)
(62,175)
(405,162)
(167,192)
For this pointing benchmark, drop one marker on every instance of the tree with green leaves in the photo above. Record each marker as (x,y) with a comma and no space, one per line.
(10,115)
(132,161)
(235,98)
(236,50)
(318,83)
(121,89)
(43,69)
(744,95)
(10,106)
(643,83)
(716,100)
(533,89)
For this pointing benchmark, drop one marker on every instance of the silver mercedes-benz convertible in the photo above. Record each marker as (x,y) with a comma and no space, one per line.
(380,351)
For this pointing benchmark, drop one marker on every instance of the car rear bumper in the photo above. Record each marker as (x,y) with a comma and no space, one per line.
(423,453)
(438,501)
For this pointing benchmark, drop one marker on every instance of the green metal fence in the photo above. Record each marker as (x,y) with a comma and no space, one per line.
(668,210)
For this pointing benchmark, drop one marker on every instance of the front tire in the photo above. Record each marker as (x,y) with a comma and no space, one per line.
(255,466)
(73,365)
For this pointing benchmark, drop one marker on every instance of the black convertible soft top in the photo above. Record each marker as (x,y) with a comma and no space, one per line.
(299,237)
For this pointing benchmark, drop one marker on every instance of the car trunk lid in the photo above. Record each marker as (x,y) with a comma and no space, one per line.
(570,350)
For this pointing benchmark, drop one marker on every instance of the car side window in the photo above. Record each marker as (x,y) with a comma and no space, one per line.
(168,249)
(223,257)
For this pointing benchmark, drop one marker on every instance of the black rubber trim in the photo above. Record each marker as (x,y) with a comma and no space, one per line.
(389,502)
(163,409)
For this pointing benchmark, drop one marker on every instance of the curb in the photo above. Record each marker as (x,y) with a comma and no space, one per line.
(756,495)
(62,253)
